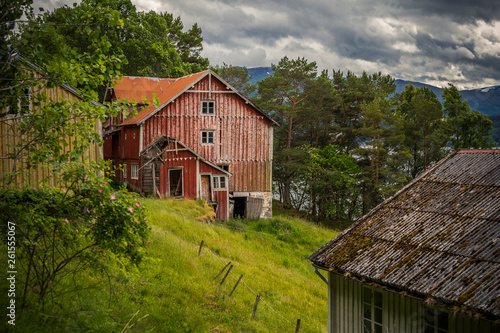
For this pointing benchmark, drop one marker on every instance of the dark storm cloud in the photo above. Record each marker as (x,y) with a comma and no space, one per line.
(438,41)
(460,11)
(442,49)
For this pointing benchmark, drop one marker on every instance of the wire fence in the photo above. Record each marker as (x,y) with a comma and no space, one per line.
(250,289)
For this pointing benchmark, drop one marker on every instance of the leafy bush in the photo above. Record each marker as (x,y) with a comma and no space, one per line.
(59,231)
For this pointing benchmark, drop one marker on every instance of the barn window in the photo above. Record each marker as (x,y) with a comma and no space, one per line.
(207,136)
(207,107)
(134,171)
(225,167)
(372,310)
(26,100)
(124,170)
(435,321)
(219,182)
(24,103)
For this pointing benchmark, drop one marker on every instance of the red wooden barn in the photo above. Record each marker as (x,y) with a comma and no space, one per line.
(201,136)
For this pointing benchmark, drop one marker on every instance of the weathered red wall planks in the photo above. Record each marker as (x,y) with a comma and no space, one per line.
(192,167)
(130,137)
(241,133)
(242,137)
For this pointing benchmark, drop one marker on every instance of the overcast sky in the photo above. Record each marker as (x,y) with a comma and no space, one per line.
(429,41)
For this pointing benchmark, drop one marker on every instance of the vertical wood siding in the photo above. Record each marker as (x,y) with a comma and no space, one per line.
(130,137)
(221,197)
(188,163)
(242,135)
(107,147)
(9,135)
(400,313)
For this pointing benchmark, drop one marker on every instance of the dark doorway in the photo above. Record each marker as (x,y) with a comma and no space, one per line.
(175,179)
(248,207)
(240,206)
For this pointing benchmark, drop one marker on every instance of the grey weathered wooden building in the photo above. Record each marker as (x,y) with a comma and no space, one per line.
(425,260)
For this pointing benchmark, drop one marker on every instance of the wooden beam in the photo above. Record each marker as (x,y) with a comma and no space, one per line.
(174,150)
(213,92)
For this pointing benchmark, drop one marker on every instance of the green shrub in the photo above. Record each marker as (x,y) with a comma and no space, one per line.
(63,231)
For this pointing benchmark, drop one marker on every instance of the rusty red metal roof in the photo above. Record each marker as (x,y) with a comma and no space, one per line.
(134,89)
(164,89)
(438,237)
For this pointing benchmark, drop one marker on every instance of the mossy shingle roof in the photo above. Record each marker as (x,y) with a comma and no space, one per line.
(438,237)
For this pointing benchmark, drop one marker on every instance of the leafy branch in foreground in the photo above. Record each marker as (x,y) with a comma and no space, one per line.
(52,136)
(59,229)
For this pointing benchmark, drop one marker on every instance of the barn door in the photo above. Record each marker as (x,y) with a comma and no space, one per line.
(175,180)
(206,192)
(254,207)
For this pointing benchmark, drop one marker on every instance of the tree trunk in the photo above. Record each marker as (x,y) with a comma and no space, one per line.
(287,200)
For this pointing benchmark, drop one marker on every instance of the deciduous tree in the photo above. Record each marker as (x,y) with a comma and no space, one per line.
(60,230)
(154,44)
(334,183)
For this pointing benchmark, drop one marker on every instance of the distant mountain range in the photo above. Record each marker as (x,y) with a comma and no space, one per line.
(486,100)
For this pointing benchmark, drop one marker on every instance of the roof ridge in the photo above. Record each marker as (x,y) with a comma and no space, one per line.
(164,78)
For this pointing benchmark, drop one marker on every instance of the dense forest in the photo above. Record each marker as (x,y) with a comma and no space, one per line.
(346,142)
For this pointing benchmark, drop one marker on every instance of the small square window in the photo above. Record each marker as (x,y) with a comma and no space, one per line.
(225,167)
(207,136)
(219,182)
(207,107)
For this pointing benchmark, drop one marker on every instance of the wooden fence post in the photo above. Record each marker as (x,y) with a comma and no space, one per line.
(225,276)
(298,326)
(236,285)
(201,246)
(229,263)
(255,306)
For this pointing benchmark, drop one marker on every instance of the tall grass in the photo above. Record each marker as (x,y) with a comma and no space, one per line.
(175,290)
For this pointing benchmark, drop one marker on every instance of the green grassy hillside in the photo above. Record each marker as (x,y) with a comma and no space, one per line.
(175,290)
